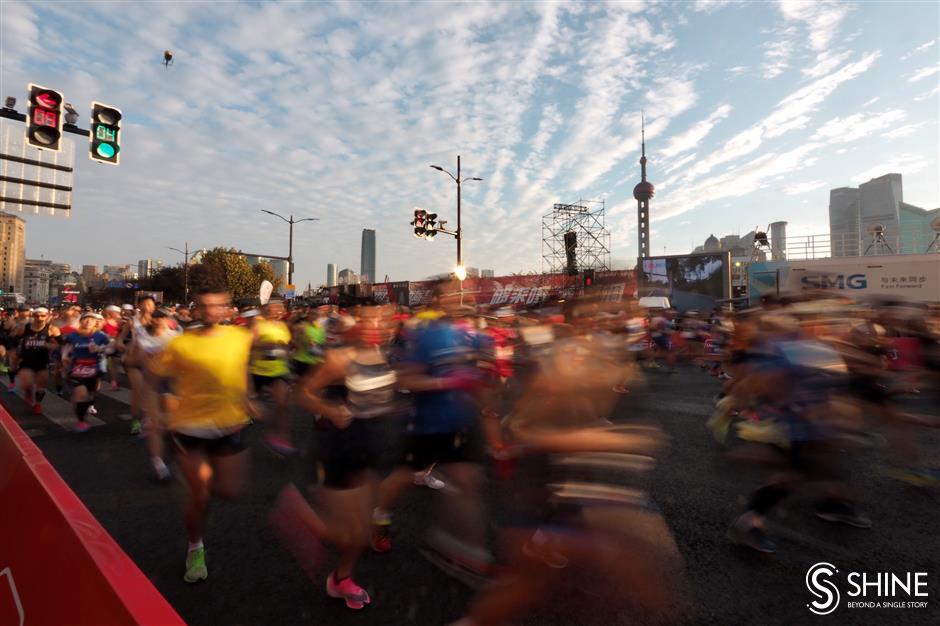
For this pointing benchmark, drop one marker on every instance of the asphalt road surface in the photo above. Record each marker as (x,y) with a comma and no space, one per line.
(254,580)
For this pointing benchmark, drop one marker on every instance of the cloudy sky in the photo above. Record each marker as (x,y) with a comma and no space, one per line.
(754,111)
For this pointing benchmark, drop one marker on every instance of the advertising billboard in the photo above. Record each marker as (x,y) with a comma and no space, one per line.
(692,281)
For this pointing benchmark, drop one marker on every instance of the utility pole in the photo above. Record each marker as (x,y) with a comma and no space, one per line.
(185,254)
(458,234)
(290,243)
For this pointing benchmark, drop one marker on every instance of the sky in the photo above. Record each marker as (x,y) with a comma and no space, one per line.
(335,111)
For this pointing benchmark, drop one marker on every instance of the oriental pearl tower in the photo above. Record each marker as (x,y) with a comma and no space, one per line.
(643,192)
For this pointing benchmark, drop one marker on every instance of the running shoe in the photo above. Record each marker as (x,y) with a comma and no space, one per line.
(11,388)
(620,389)
(753,537)
(81,427)
(355,596)
(427,479)
(280,445)
(92,410)
(844,514)
(37,409)
(196,566)
(135,427)
(114,385)
(381,542)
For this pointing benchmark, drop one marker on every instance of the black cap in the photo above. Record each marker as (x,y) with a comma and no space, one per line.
(22,307)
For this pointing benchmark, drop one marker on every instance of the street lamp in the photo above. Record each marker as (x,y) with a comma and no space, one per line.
(185,254)
(290,244)
(459,234)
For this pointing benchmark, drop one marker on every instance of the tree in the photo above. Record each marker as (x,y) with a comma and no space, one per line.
(263,271)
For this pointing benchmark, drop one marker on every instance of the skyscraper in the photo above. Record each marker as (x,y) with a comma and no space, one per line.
(367,256)
(13,255)
(643,192)
(331,277)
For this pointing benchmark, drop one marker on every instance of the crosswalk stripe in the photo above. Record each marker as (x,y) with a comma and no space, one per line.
(121,395)
(59,411)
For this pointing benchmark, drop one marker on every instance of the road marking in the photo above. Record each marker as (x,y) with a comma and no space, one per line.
(59,410)
(121,395)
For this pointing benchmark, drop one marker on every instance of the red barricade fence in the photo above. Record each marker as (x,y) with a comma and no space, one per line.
(58,565)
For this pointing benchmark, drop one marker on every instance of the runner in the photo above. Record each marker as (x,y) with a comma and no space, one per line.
(112,328)
(148,343)
(13,327)
(36,340)
(439,370)
(309,340)
(270,370)
(80,357)
(354,389)
(67,324)
(128,336)
(210,367)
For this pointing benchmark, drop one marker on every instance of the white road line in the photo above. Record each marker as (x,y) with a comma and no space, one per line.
(121,395)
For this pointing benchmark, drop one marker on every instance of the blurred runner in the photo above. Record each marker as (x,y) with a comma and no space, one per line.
(36,340)
(210,367)
(270,371)
(80,356)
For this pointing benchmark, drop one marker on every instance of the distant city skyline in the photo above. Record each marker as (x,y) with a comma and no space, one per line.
(805,98)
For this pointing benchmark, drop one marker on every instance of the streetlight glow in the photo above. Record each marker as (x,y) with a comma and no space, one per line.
(460,272)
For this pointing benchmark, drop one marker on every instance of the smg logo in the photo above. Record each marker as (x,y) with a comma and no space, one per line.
(834,281)
(823,589)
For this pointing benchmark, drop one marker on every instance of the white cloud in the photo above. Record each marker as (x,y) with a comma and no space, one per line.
(871,102)
(822,19)
(903,131)
(826,61)
(796,189)
(854,127)
(919,49)
(776,57)
(929,94)
(907,163)
(923,73)
(707,6)
(693,136)
(737,70)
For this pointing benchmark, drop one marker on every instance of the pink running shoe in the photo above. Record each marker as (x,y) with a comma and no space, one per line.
(355,596)
(280,445)
(114,385)
(82,427)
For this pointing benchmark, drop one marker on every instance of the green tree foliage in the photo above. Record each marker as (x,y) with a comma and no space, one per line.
(218,267)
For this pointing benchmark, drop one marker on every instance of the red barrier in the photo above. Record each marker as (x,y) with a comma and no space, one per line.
(57,564)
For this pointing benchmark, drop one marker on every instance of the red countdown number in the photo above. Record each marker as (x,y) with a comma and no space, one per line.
(45,118)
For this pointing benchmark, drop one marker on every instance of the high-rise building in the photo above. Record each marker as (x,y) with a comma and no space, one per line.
(89,273)
(12,251)
(280,266)
(146,267)
(857,215)
(331,277)
(36,279)
(348,277)
(119,272)
(367,256)
(487,274)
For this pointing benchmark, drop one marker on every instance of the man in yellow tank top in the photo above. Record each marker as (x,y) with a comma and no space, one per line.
(209,365)
(270,370)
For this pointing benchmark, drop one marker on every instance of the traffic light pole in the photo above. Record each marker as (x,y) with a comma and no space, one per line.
(13,114)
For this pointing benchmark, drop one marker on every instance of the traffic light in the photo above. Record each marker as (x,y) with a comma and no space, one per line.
(105,134)
(44,118)
(430,226)
(419,222)
(588,276)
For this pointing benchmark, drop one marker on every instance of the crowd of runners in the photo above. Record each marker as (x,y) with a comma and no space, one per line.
(452,397)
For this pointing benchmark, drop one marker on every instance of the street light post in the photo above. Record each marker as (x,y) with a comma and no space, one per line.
(459,233)
(185,254)
(290,243)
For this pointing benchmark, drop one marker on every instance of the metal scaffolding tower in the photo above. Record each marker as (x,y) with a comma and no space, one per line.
(591,249)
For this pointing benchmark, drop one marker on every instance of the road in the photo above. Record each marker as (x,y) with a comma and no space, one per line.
(253,580)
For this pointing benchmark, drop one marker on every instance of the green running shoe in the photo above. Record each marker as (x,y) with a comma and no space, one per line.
(135,426)
(196,566)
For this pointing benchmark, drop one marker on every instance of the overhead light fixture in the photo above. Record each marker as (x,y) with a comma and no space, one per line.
(9,103)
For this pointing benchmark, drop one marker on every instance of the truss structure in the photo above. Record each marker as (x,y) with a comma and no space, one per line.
(592,249)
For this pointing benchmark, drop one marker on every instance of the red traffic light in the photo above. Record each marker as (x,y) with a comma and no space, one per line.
(44,118)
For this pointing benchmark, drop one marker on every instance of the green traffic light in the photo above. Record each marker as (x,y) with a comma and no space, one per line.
(105,150)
